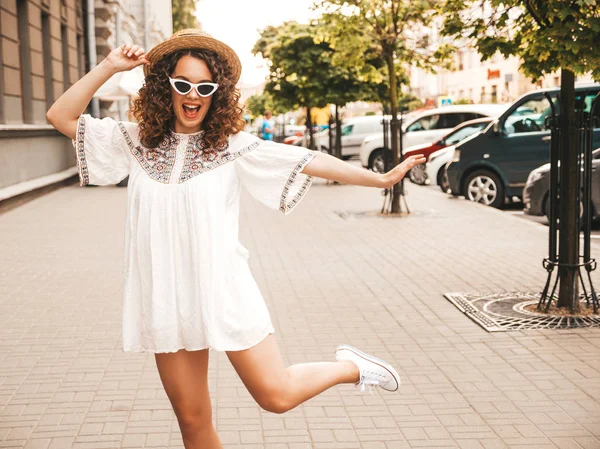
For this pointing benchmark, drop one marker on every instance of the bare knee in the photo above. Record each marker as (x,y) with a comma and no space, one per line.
(193,420)
(273,398)
(276,404)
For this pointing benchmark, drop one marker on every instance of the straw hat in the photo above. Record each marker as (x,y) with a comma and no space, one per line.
(191,38)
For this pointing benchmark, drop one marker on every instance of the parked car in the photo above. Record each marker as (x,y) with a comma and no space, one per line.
(435,167)
(536,194)
(419,174)
(495,164)
(428,126)
(354,131)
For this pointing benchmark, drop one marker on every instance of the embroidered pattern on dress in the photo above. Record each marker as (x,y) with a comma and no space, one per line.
(284,206)
(157,162)
(82,167)
(199,160)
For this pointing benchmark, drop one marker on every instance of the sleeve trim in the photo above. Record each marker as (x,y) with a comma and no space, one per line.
(286,206)
(78,143)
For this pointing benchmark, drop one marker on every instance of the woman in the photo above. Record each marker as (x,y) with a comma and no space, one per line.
(188,287)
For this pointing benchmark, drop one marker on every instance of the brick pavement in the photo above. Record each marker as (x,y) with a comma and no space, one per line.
(370,281)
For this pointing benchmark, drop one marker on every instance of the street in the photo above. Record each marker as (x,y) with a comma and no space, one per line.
(332,272)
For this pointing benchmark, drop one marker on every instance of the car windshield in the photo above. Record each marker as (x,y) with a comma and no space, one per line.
(462,133)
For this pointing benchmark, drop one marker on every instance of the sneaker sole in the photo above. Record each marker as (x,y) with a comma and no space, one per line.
(385,365)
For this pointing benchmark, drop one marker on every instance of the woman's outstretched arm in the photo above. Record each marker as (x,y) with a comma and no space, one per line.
(328,167)
(65,111)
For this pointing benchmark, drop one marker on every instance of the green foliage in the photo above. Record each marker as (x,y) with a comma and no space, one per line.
(463,101)
(182,14)
(259,103)
(298,66)
(302,72)
(409,102)
(546,34)
(379,39)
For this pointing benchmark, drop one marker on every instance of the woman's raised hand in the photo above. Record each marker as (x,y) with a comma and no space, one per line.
(394,176)
(126,57)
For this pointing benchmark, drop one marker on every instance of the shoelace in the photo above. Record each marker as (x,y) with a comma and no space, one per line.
(375,379)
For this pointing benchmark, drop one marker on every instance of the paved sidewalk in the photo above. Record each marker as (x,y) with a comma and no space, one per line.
(329,278)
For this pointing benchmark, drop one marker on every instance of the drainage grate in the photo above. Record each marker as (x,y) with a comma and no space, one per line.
(501,312)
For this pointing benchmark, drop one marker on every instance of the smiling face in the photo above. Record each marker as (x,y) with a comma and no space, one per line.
(190,109)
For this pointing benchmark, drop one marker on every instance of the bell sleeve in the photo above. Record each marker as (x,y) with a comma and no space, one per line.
(272,172)
(102,154)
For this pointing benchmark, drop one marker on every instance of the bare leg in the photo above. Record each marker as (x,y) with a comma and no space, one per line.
(184,376)
(278,389)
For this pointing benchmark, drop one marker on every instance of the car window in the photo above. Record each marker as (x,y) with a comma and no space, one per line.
(529,117)
(463,133)
(347,130)
(473,116)
(451,120)
(425,123)
(584,104)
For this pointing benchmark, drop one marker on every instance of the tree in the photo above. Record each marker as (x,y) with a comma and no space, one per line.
(398,30)
(183,16)
(300,67)
(547,35)
(257,104)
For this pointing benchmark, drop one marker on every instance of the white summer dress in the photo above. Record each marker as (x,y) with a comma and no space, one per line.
(187,281)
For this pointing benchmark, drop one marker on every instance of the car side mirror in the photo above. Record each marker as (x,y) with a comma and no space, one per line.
(496,128)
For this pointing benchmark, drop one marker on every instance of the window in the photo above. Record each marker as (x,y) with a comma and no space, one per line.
(80,56)
(463,132)
(451,120)
(529,117)
(425,123)
(347,130)
(46,39)
(65,56)
(585,105)
(25,56)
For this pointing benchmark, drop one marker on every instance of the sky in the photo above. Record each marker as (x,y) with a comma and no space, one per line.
(238,23)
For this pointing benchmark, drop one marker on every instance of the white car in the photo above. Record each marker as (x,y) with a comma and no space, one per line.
(436,165)
(354,131)
(429,126)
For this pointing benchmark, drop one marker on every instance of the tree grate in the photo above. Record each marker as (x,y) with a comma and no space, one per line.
(502,312)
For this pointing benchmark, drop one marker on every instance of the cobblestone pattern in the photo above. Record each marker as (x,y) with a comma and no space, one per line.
(372,282)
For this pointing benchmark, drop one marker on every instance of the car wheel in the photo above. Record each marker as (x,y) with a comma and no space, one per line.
(418,175)
(442,179)
(378,160)
(485,187)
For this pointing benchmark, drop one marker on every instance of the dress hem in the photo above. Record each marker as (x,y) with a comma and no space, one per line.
(187,348)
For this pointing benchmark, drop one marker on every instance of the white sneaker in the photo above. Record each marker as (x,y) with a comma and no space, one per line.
(373,371)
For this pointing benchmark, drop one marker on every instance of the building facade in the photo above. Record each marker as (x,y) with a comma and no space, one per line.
(44,50)
(497,80)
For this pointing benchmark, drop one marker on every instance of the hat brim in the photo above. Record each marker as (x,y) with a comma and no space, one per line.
(224,51)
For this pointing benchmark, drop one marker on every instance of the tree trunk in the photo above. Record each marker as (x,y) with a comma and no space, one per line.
(338,133)
(309,125)
(568,233)
(396,208)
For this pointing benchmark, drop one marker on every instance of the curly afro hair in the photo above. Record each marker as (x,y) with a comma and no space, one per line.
(153,109)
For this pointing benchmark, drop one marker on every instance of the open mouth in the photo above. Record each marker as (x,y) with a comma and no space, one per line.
(191,111)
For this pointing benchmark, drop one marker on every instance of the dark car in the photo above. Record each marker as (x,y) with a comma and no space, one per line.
(495,164)
(536,194)
(418,174)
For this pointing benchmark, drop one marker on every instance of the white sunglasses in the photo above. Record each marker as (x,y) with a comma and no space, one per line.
(183,87)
